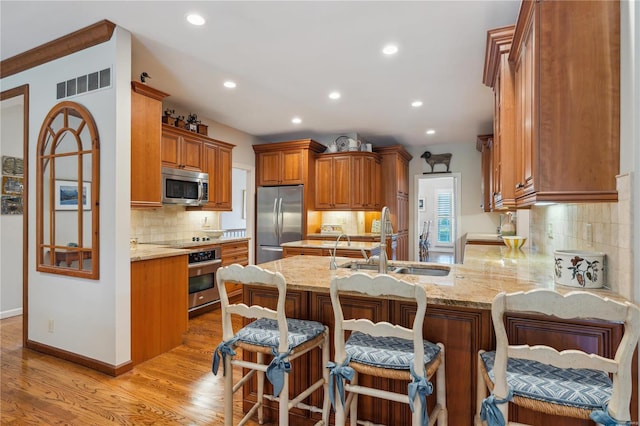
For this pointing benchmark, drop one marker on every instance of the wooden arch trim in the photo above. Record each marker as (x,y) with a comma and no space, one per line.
(74,42)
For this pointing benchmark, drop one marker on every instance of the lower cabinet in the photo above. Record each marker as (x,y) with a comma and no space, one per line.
(463,331)
(235,252)
(159,306)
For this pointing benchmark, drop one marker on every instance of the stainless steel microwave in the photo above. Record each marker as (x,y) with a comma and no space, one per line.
(184,187)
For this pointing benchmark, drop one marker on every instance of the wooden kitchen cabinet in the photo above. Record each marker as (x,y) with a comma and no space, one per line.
(159,306)
(285,163)
(567,92)
(217,160)
(499,74)
(235,252)
(484,145)
(181,149)
(394,163)
(333,182)
(365,181)
(146,134)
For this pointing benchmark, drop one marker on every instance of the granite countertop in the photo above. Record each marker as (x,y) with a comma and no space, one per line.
(487,271)
(335,235)
(478,236)
(147,251)
(342,245)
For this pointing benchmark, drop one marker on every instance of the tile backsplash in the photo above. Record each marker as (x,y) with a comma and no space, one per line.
(604,227)
(170,223)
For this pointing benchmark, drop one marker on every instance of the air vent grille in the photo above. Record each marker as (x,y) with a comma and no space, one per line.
(84,83)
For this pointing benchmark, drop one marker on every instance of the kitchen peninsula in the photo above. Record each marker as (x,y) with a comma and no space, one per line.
(458,315)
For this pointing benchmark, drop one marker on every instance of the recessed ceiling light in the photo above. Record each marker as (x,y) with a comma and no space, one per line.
(390,49)
(195,19)
(334,95)
(230,84)
(296,120)
(416,104)
(431,132)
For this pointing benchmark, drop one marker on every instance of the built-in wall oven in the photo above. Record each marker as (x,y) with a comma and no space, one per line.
(203,289)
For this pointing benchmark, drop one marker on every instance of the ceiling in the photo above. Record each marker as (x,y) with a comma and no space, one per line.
(287,56)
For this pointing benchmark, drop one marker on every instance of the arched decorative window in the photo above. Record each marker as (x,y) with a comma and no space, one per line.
(67,193)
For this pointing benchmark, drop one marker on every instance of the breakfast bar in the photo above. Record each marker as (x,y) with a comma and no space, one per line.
(458,315)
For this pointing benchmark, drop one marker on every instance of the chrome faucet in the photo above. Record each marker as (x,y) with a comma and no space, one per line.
(385,221)
(332,264)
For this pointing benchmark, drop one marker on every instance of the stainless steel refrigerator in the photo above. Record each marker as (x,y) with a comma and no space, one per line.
(279,220)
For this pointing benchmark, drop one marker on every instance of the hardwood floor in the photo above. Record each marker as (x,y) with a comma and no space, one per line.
(175,388)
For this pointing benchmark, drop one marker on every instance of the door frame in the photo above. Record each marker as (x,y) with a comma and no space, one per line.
(457,238)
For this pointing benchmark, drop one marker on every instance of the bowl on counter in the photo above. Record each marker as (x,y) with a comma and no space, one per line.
(214,233)
(514,242)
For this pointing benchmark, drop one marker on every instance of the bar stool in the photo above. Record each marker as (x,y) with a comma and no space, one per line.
(271,333)
(570,383)
(385,350)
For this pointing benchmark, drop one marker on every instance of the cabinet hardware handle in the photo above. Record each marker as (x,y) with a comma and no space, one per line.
(519,185)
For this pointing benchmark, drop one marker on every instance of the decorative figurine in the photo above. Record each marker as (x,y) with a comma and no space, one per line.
(433,159)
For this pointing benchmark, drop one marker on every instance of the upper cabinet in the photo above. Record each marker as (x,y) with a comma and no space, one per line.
(348,181)
(285,163)
(217,160)
(567,95)
(484,145)
(146,133)
(181,149)
(499,75)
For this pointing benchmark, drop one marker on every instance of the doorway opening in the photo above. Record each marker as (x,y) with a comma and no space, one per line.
(437,218)
(239,221)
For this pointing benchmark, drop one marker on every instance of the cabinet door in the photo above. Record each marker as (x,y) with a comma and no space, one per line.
(525,111)
(341,182)
(324,183)
(358,187)
(269,168)
(146,128)
(217,163)
(170,150)
(191,154)
(292,167)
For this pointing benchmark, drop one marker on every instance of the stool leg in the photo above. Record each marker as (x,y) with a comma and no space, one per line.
(283,408)
(260,360)
(353,408)
(481,391)
(441,389)
(326,404)
(228,392)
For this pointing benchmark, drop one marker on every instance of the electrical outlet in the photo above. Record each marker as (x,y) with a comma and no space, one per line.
(550,230)
(50,326)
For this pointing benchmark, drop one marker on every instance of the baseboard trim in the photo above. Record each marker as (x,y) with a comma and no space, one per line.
(103,367)
(11,313)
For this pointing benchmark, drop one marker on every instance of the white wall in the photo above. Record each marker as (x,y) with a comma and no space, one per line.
(11,144)
(467,161)
(91,317)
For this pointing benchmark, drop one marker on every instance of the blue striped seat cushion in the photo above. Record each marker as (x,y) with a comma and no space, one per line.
(264,332)
(386,352)
(582,388)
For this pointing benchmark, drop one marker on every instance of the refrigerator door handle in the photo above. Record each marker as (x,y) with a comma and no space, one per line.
(272,248)
(275,217)
(281,218)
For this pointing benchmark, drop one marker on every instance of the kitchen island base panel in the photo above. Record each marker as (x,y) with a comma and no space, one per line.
(462,330)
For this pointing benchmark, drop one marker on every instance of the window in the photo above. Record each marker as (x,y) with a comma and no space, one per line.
(444,217)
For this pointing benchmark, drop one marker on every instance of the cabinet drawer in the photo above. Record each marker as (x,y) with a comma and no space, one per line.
(237,252)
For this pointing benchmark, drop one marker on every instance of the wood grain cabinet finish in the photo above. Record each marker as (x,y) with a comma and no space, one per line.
(146,133)
(394,192)
(217,163)
(235,252)
(159,306)
(365,181)
(286,163)
(484,144)
(499,74)
(181,149)
(333,182)
(567,92)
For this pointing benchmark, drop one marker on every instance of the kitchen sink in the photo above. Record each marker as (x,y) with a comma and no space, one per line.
(430,270)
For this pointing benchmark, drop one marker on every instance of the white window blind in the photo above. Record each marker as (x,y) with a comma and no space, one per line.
(444,217)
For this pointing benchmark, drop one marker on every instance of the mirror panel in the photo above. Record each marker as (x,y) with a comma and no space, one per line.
(67,192)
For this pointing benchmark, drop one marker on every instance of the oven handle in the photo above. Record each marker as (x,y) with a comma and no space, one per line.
(203,264)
